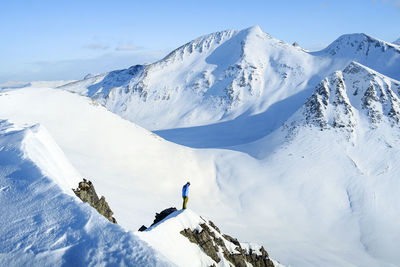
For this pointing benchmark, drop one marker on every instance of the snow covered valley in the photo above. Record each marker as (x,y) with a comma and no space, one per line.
(296,151)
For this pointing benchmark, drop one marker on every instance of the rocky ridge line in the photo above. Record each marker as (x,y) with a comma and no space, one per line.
(213,243)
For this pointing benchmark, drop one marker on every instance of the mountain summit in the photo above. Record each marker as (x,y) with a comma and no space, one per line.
(213,78)
(230,75)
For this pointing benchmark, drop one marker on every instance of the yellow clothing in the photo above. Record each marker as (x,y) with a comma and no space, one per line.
(185,200)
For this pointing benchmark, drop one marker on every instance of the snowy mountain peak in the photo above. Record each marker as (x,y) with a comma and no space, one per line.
(215,77)
(221,76)
(211,41)
(256,29)
(355,95)
(358,43)
(199,45)
(397,41)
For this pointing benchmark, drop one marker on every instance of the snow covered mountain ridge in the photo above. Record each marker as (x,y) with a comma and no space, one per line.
(222,76)
(350,98)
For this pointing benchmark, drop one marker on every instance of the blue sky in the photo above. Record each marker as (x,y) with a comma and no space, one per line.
(50,40)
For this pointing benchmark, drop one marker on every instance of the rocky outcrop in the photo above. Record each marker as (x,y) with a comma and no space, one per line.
(87,193)
(159,217)
(216,245)
(162,215)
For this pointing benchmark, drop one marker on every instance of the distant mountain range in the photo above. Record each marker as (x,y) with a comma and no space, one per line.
(224,75)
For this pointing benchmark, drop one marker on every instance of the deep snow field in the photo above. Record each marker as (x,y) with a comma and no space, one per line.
(309,170)
(301,199)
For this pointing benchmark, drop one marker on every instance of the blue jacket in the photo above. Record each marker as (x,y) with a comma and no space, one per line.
(185,190)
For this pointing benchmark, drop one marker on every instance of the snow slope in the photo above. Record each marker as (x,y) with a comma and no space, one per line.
(330,174)
(397,41)
(314,199)
(219,84)
(41,222)
(132,167)
(166,237)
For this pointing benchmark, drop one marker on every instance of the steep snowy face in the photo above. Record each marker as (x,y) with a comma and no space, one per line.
(41,222)
(355,96)
(379,55)
(215,77)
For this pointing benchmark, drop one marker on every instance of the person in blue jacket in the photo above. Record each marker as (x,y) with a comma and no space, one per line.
(185,194)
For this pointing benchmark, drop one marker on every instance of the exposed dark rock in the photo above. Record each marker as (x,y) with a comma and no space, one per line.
(87,193)
(214,226)
(159,217)
(162,215)
(212,244)
(232,240)
(142,228)
(204,239)
(316,105)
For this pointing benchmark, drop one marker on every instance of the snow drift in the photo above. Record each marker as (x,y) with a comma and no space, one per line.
(41,222)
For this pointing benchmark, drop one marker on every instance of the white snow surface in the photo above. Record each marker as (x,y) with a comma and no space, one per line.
(317,199)
(42,223)
(311,195)
(166,238)
(397,41)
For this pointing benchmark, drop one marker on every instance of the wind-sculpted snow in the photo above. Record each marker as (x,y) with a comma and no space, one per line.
(41,223)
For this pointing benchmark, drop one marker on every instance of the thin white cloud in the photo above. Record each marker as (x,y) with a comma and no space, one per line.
(127,48)
(77,68)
